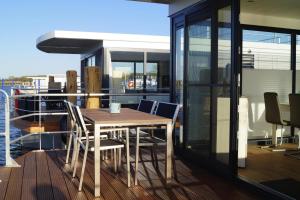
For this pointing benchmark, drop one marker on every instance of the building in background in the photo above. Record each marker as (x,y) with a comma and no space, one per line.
(130,63)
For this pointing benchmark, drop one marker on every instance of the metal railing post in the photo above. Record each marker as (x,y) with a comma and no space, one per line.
(9,161)
(40,120)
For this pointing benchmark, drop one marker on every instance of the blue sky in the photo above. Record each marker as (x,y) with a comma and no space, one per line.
(22,22)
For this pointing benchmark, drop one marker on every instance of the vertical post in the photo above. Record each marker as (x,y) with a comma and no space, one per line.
(71,86)
(235,69)
(145,74)
(40,120)
(93,84)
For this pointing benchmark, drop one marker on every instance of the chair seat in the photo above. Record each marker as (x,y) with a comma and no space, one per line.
(286,123)
(106,144)
(148,141)
(132,133)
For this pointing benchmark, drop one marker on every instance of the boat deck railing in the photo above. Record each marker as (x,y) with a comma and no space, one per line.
(39,99)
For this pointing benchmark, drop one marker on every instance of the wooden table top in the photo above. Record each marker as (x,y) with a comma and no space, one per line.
(128,117)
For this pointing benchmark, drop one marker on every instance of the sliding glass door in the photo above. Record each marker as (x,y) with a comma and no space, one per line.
(198,91)
(202,70)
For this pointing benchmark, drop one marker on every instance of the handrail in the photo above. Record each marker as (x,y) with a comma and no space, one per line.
(87,94)
(9,161)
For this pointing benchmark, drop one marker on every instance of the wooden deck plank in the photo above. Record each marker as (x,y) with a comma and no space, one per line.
(60,190)
(137,190)
(108,193)
(29,178)
(14,187)
(44,186)
(47,169)
(4,177)
(72,185)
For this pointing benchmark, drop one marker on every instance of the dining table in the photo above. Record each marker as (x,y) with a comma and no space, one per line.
(102,118)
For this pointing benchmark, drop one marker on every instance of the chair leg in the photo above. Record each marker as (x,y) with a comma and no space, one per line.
(115,160)
(298,140)
(174,166)
(76,159)
(127,158)
(137,155)
(119,159)
(83,166)
(69,147)
(74,148)
(281,140)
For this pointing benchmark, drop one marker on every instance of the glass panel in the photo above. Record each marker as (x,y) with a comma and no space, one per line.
(266,50)
(179,64)
(224,45)
(158,72)
(198,97)
(151,73)
(123,75)
(198,119)
(221,139)
(199,52)
(266,68)
(139,76)
(123,81)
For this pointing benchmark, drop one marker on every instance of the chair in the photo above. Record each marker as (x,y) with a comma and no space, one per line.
(74,130)
(87,145)
(294,100)
(168,110)
(146,106)
(273,114)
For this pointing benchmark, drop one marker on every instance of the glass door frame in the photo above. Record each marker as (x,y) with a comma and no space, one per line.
(210,9)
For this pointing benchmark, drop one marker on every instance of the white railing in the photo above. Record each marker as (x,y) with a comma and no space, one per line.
(9,161)
(39,112)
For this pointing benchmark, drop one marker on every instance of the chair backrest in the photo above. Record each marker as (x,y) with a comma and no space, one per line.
(70,110)
(79,119)
(168,110)
(294,100)
(272,110)
(146,106)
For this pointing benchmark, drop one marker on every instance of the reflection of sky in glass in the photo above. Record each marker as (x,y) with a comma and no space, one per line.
(127,67)
(266,37)
(151,68)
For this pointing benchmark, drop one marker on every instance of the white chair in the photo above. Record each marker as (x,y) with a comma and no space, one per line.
(73,133)
(105,144)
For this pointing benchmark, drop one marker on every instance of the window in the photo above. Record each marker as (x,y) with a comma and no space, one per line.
(266,50)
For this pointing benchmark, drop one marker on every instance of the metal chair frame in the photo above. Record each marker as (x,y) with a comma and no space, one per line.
(107,144)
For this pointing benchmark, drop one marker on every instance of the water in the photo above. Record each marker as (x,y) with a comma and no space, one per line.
(14,132)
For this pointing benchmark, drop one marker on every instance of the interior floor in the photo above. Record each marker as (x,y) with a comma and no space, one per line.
(273,168)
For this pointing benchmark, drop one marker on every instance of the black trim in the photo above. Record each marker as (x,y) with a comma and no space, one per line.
(269,29)
(235,58)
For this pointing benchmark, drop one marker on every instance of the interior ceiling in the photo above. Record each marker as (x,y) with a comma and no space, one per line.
(278,8)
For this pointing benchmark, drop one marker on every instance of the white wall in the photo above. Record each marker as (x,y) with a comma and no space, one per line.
(254,83)
(272,21)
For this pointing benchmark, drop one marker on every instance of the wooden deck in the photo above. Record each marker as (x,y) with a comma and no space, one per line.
(43,175)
